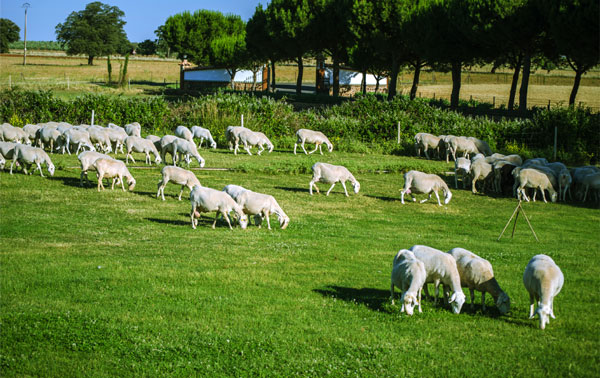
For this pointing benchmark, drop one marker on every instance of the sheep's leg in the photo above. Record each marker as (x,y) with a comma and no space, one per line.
(148,160)
(226,218)
(472,291)
(261,148)
(332,188)
(266,215)
(180,193)
(320,150)
(402,196)
(587,187)
(419,300)
(316,147)
(161,189)
(552,308)
(427,199)
(295,145)
(531,306)
(194,221)
(483,301)
(436,196)
(474,185)
(344,186)
(39,167)
(456,180)
(312,183)
(100,177)
(543,195)
(81,178)
(122,185)
(235,149)
(402,301)
(247,148)
(304,149)
(392,293)
(426,154)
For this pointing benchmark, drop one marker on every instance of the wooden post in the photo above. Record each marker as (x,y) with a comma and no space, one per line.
(555,140)
(68,83)
(9,82)
(494,102)
(548,104)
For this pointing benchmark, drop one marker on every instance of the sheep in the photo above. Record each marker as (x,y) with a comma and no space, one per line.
(185,133)
(563,177)
(207,199)
(514,159)
(441,268)
(202,133)
(331,174)
(2,162)
(47,134)
(461,144)
(262,206)
(480,170)
(578,174)
(31,130)
(134,129)
(79,138)
(476,273)
(462,167)
(311,136)
(137,144)
(503,178)
(591,180)
(7,150)
(445,145)
(183,147)
(115,169)
(424,183)
(27,155)
(100,137)
(9,133)
(178,176)
(425,141)
(252,138)
(481,145)
(234,191)
(535,161)
(232,135)
(117,136)
(164,142)
(543,280)
(87,159)
(408,274)
(537,179)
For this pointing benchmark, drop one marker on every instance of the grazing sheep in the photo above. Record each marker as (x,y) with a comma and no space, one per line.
(311,136)
(262,206)
(180,147)
(578,174)
(134,129)
(7,150)
(445,145)
(441,268)
(591,180)
(462,168)
(164,142)
(48,135)
(476,273)
(79,138)
(9,133)
(252,138)
(184,133)
(503,178)
(536,179)
(137,144)
(425,141)
(117,137)
(480,171)
(461,145)
(205,200)
(424,183)
(202,133)
(563,177)
(543,280)
(232,135)
(31,130)
(408,274)
(115,169)
(331,174)
(234,191)
(100,137)
(27,155)
(178,176)
(481,145)
(87,160)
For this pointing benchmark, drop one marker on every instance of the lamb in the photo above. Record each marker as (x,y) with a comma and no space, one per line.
(207,199)
(178,176)
(476,273)
(480,170)
(100,137)
(461,145)
(27,155)
(137,144)
(115,169)
(9,133)
(252,138)
(408,273)
(462,167)
(311,136)
(87,160)
(537,179)
(185,133)
(424,183)
(134,129)
(481,145)
(183,147)
(331,174)
(543,280)
(425,141)
(202,133)
(262,206)
(441,268)
(78,138)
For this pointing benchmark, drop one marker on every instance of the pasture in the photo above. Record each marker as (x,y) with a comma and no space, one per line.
(118,284)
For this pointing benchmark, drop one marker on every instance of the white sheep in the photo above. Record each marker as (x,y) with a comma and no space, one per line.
(100,137)
(87,160)
(234,191)
(202,133)
(262,206)
(10,133)
(7,150)
(31,130)
(563,177)
(251,138)
(408,274)
(462,168)
(536,179)
(134,129)
(48,134)
(180,148)
(424,183)
(331,174)
(311,136)
(178,176)
(476,273)
(425,142)
(28,155)
(591,180)
(164,142)
(185,133)
(115,169)
(578,174)
(205,200)
(481,145)
(232,135)
(145,146)
(441,268)
(515,159)
(461,145)
(117,136)
(77,137)
(543,280)
(480,171)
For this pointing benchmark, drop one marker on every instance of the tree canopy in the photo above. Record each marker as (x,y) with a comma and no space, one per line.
(95,31)
(9,32)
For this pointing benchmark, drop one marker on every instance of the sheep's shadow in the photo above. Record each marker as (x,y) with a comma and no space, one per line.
(169,221)
(72,181)
(297,190)
(374,299)
(383,198)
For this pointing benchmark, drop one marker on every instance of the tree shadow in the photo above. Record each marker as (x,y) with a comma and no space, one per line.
(374,299)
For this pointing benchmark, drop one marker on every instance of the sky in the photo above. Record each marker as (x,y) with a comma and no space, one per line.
(142,17)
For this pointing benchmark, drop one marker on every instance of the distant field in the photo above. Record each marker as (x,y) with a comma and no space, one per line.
(72,75)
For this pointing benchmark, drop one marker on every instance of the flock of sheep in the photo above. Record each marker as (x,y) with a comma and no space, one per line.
(412,269)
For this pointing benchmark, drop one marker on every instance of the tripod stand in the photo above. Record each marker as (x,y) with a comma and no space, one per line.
(518,209)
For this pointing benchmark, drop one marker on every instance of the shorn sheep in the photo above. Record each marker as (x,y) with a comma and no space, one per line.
(424,183)
(26,156)
(206,200)
(476,273)
(331,174)
(115,169)
(543,280)
(251,138)
(87,160)
(441,268)
(202,133)
(536,179)
(145,146)
(462,168)
(185,133)
(311,136)
(425,142)
(408,274)
(178,176)
(262,206)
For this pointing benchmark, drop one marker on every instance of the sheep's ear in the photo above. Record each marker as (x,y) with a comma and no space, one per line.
(452,298)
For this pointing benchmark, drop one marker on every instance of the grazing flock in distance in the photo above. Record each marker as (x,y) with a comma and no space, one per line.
(412,269)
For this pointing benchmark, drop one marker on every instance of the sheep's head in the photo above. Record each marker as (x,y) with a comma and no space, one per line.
(544,313)
(243,221)
(503,303)
(131,183)
(356,186)
(554,196)
(409,302)
(213,145)
(51,169)
(284,221)
(158,160)
(456,301)
(329,147)
(201,161)
(447,197)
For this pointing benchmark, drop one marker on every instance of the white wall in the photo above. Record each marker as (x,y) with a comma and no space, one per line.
(221,75)
(348,77)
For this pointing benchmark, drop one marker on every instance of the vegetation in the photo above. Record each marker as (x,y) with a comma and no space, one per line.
(37,45)
(9,33)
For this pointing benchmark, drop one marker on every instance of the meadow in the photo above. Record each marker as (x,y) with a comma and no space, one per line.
(117,283)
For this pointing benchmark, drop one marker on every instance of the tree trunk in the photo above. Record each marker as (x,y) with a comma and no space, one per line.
(336,78)
(456,77)
(524,83)
(364,82)
(514,83)
(415,84)
(90,60)
(273,83)
(299,79)
(393,79)
(578,74)
(109,67)
(377,84)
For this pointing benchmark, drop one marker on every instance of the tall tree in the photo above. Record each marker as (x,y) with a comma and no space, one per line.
(229,51)
(95,31)
(147,47)
(9,32)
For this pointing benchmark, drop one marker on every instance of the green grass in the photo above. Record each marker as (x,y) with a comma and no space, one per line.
(118,283)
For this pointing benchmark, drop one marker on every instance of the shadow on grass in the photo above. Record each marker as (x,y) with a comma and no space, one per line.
(374,299)
(74,182)
(384,198)
(169,221)
(298,190)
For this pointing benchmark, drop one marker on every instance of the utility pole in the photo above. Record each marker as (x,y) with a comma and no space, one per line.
(26,6)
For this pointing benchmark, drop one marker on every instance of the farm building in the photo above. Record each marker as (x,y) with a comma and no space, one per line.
(209,77)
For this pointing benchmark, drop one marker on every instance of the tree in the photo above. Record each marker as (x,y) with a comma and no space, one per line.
(95,31)
(229,51)
(9,32)
(147,47)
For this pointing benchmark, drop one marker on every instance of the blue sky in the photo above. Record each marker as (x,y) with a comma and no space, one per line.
(142,17)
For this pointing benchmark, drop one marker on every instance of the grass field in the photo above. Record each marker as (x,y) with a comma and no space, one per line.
(118,284)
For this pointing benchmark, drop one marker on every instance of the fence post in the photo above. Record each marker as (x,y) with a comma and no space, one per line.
(494,102)
(398,132)
(555,139)
(548,104)
(92,117)
(9,82)
(68,83)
